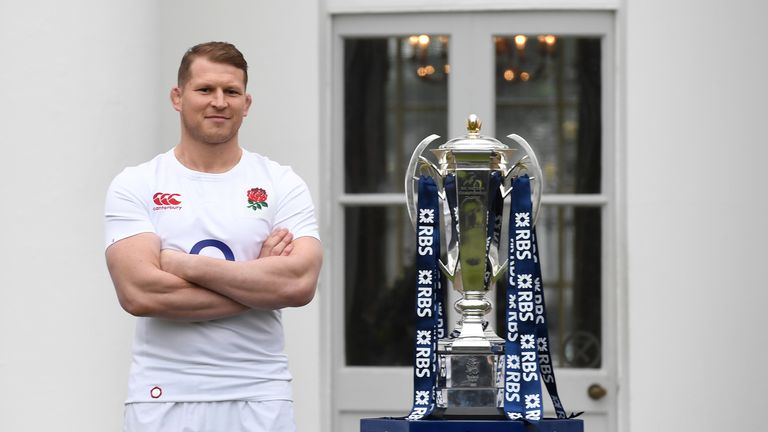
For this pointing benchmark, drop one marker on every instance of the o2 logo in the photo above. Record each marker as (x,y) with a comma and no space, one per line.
(220,245)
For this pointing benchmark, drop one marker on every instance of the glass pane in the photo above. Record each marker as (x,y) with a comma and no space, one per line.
(571,266)
(548,92)
(395,95)
(379,276)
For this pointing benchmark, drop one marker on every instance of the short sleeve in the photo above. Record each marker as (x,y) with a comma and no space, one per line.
(296,212)
(125,213)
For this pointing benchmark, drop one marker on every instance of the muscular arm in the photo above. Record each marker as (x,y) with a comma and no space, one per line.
(272,282)
(144,289)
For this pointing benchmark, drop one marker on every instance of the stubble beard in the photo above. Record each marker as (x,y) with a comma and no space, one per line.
(214,137)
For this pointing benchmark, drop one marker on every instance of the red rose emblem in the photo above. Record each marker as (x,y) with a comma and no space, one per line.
(257,198)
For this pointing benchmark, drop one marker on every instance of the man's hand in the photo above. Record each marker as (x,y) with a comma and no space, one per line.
(171,261)
(284,275)
(279,243)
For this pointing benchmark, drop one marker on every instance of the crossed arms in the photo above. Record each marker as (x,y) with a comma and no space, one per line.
(175,285)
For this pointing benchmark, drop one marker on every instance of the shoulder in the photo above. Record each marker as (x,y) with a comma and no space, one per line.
(277,172)
(139,174)
(145,169)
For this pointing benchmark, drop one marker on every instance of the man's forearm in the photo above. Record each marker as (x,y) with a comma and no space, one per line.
(170,297)
(182,300)
(144,289)
(272,282)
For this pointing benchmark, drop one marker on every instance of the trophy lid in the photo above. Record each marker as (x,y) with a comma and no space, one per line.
(473,141)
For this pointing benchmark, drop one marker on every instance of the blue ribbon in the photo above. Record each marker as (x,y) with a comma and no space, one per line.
(513,406)
(427,306)
(542,334)
(527,342)
(527,357)
(522,398)
(449,185)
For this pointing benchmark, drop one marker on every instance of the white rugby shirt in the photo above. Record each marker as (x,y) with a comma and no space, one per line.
(236,358)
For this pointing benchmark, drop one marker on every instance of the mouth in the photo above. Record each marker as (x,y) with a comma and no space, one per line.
(217,119)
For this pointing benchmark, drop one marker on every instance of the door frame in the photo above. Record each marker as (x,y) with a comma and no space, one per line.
(572,23)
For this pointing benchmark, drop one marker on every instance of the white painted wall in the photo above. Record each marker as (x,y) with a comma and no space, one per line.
(84,89)
(695,103)
(77,81)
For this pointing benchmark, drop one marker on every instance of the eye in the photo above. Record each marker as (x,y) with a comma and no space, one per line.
(233,92)
(204,90)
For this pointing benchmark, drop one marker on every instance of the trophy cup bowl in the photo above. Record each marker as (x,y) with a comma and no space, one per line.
(470,362)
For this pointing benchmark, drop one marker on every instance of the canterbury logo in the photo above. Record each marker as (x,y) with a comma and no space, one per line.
(166,198)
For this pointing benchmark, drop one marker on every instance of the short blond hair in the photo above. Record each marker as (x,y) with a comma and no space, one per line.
(217,52)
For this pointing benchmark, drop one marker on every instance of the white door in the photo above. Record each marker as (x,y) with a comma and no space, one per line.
(547,76)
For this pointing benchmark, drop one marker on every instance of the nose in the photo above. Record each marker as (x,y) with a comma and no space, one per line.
(218,100)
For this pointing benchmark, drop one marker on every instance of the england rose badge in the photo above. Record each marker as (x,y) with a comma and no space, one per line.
(257,198)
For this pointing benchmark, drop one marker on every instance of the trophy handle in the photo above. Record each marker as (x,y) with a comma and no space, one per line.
(533,168)
(412,176)
(417,164)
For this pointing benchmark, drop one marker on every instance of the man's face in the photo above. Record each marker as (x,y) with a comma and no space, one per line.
(212,102)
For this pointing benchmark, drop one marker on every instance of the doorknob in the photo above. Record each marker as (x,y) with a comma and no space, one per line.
(596,391)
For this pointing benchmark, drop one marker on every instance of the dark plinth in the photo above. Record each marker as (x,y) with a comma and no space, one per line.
(392,425)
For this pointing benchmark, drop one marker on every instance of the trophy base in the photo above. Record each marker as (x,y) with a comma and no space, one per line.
(470,384)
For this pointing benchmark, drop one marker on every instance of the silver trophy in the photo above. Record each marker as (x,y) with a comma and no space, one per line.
(471,370)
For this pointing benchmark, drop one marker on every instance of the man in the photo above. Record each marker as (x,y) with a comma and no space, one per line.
(205,244)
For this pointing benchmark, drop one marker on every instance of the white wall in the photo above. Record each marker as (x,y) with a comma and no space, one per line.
(77,81)
(84,88)
(696,198)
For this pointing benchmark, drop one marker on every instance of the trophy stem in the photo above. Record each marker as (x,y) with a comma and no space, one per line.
(473,336)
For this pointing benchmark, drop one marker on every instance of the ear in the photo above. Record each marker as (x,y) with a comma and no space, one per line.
(248,101)
(176,98)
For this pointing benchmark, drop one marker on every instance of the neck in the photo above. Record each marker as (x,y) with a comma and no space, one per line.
(213,159)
